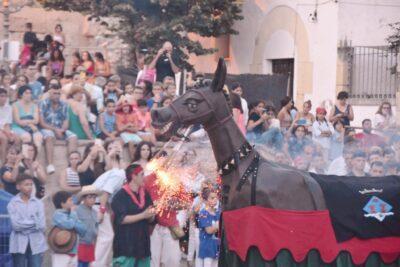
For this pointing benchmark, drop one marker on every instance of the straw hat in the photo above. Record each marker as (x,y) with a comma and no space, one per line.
(88,190)
(61,241)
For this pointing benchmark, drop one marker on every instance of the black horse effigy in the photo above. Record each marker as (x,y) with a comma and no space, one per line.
(248,179)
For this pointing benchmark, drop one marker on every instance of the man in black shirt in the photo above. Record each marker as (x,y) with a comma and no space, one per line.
(165,62)
(132,207)
(29,36)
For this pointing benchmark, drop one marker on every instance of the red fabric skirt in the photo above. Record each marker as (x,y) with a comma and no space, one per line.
(86,252)
(272,230)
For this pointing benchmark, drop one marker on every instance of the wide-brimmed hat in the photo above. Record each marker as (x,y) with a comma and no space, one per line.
(61,241)
(88,190)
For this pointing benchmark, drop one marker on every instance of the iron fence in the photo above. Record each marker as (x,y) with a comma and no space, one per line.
(372,74)
(5,230)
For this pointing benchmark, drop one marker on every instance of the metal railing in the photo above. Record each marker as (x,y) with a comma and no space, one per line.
(372,74)
(5,230)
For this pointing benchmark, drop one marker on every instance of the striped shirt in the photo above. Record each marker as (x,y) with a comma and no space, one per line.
(72,178)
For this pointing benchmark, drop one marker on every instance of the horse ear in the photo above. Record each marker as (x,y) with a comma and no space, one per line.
(219,76)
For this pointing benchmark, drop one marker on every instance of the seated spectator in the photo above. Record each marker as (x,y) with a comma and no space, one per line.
(167,81)
(367,138)
(272,135)
(377,169)
(76,61)
(26,117)
(284,114)
(37,88)
(31,166)
(92,164)
(127,126)
(111,91)
(5,83)
(374,156)
(154,102)
(145,131)
(237,89)
(342,111)
(88,216)
(9,171)
(318,164)
(54,123)
(322,131)
(21,81)
(66,219)
(117,80)
(305,117)
(337,140)
(342,165)
(77,114)
(384,119)
(133,211)
(143,154)
(138,93)
(171,91)
(101,65)
(388,155)
(297,141)
(69,178)
(88,63)
(391,168)
(301,163)
(59,36)
(209,228)
(6,135)
(107,127)
(358,162)
(55,66)
(395,143)
(28,224)
(166,101)
(257,119)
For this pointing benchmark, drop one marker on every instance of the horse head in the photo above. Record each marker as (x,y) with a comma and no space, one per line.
(207,105)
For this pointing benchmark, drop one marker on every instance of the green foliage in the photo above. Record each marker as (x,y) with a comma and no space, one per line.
(148,23)
(394,38)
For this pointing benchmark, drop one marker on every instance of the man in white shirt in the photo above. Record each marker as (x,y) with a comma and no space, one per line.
(341,166)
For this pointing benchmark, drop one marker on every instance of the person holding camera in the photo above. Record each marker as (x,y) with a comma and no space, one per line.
(342,110)
(164,62)
(54,124)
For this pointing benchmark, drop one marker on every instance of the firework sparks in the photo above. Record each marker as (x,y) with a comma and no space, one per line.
(172,183)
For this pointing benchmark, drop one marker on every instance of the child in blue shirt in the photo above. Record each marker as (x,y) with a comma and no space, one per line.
(67,219)
(209,225)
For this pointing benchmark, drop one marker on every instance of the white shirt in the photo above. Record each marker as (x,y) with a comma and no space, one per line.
(317,129)
(111,181)
(96,93)
(6,115)
(379,119)
(338,167)
(245,109)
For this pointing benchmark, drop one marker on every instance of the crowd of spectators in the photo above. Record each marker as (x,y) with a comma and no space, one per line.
(103,197)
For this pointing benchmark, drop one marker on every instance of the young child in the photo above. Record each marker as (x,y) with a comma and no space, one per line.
(171,91)
(27,239)
(111,91)
(127,126)
(144,121)
(155,101)
(106,124)
(88,216)
(65,218)
(209,226)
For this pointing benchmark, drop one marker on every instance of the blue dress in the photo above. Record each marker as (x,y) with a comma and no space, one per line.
(209,243)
